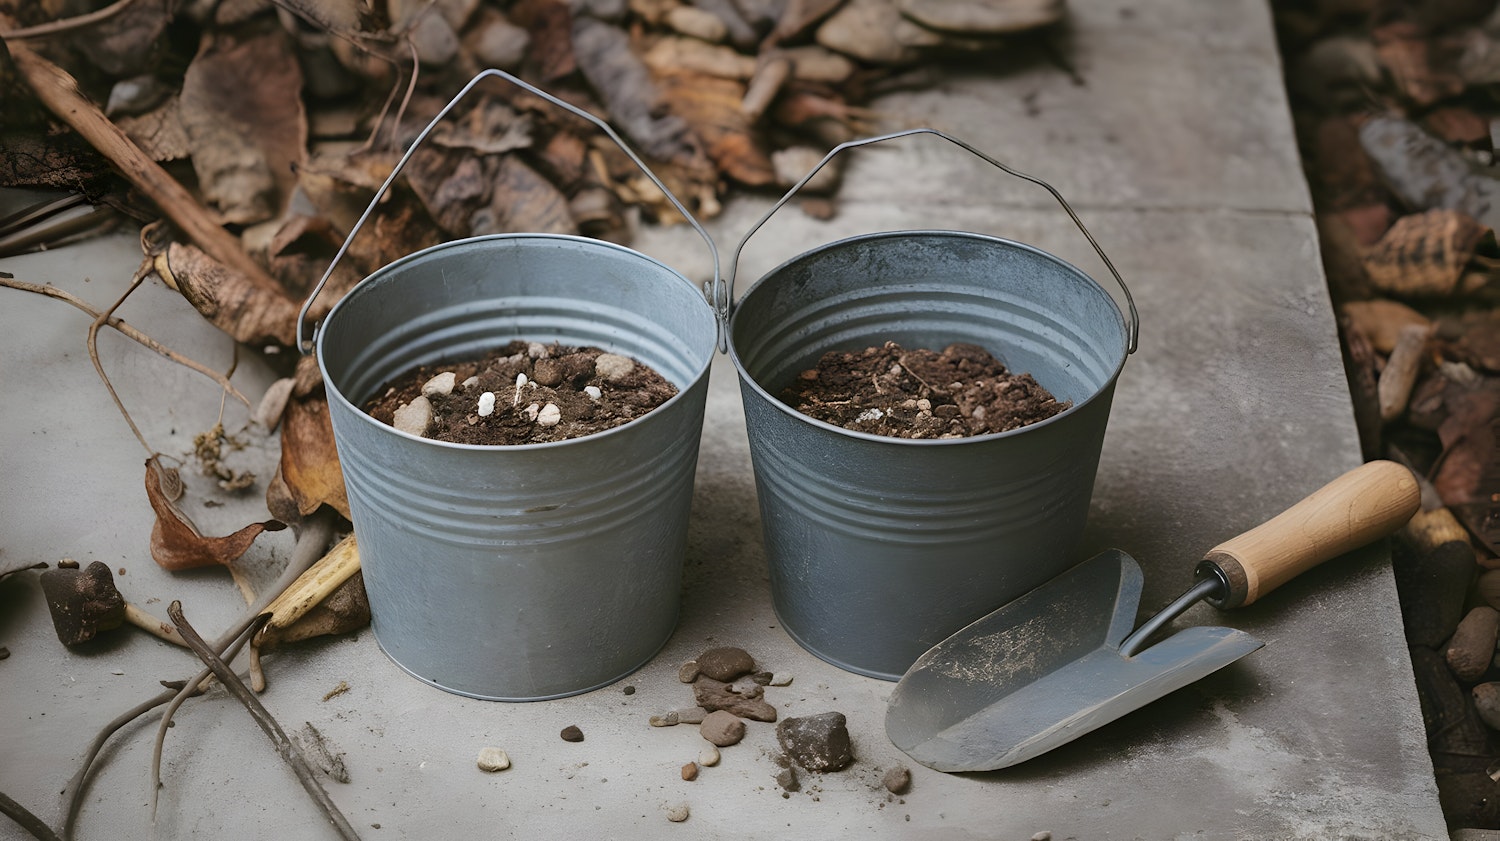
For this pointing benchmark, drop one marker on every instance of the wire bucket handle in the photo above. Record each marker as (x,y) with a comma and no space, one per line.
(723,305)
(712,290)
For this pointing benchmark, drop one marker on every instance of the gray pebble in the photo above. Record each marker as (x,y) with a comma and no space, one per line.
(669,720)
(440,384)
(897,779)
(691,715)
(725,663)
(677,812)
(722,729)
(688,672)
(613,367)
(414,418)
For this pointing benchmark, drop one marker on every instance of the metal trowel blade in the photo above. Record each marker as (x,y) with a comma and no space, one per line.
(1044,670)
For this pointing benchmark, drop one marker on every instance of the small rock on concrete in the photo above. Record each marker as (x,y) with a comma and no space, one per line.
(715,695)
(897,780)
(571,733)
(816,742)
(781,679)
(670,719)
(690,771)
(725,663)
(1473,645)
(709,756)
(677,812)
(691,715)
(493,759)
(414,418)
(613,367)
(722,729)
(1044,835)
(688,672)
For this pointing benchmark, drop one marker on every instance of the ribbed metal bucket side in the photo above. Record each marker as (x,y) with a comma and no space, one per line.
(879,548)
(526,572)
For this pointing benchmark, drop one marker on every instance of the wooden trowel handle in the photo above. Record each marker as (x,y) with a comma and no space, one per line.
(1359,507)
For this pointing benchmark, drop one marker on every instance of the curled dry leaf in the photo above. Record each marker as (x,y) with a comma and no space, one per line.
(1470,468)
(711,106)
(1381,320)
(176,542)
(249,313)
(1424,254)
(309,461)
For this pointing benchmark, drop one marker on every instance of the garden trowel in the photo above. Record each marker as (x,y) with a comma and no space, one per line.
(1062,660)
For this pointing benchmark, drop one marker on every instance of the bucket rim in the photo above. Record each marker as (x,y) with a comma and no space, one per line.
(333,392)
(739,367)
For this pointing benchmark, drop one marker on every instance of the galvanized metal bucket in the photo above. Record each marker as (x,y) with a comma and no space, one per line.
(527,572)
(879,548)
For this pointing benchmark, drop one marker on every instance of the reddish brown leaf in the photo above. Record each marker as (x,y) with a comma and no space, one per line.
(1470,467)
(176,543)
(711,106)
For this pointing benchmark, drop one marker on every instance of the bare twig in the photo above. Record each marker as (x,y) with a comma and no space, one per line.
(310,542)
(284,746)
(128,332)
(93,345)
(67,24)
(23,816)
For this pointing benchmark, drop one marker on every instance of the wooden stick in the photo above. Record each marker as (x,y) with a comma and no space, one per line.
(313,586)
(1400,374)
(58,90)
(284,746)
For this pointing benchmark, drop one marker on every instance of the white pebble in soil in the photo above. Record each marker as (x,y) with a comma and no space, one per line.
(469,383)
(487,404)
(550,415)
(613,367)
(536,350)
(414,418)
(870,415)
(493,759)
(531,411)
(440,384)
(593,392)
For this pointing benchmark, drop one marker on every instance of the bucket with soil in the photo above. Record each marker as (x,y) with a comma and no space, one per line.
(522,534)
(955,389)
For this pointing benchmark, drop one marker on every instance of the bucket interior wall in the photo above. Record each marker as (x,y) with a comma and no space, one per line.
(879,548)
(520,572)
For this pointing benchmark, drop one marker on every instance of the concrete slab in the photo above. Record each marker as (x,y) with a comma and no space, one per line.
(1177,151)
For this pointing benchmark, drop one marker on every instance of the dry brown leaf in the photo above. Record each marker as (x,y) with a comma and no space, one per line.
(1470,468)
(1417,71)
(309,460)
(1381,320)
(711,107)
(242,110)
(1424,254)
(522,200)
(489,128)
(550,25)
(228,299)
(1477,337)
(158,132)
(176,543)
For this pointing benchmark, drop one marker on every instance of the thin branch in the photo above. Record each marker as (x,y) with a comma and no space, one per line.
(310,543)
(93,345)
(128,332)
(23,816)
(288,751)
(66,24)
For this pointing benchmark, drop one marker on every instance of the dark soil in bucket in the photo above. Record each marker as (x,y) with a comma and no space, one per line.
(900,393)
(537,393)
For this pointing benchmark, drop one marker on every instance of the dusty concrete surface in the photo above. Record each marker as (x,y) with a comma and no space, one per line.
(1170,136)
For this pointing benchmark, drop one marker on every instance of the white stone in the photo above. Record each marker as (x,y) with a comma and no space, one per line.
(486,404)
(593,392)
(613,367)
(550,415)
(869,415)
(470,383)
(441,384)
(709,756)
(536,350)
(677,812)
(532,411)
(781,679)
(414,418)
(493,759)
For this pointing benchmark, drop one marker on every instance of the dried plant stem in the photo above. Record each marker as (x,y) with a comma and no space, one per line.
(58,91)
(288,751)
(66,24)
(93,344)
(315,534)
(128,332)
(27,821)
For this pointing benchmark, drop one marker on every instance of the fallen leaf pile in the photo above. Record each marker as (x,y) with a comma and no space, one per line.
(1396,110)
